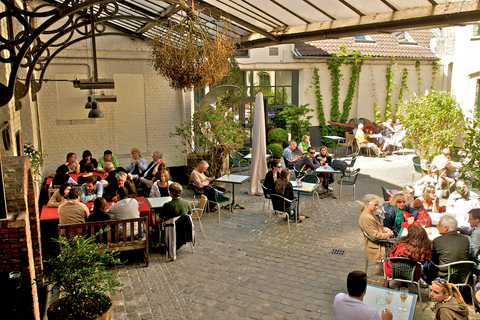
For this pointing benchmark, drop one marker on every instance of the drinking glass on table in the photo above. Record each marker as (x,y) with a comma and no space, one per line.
(228,174)
(423,223)
(403,297)
(221,173)
(388,298)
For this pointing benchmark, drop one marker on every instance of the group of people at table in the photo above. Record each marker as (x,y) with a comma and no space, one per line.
(458,240)
(391,134)
(105,181)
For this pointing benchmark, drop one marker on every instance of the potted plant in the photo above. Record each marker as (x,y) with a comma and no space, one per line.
(276,149)
(278,135)
(432,121)
(79,274)
(298,119)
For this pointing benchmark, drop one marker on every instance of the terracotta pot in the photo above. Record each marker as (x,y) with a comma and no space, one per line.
(107,315)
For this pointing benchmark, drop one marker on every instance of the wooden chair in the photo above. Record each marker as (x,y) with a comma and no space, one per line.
(198,211)
(361,146)
(348,143)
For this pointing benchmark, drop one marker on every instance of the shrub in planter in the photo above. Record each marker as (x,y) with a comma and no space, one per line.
(79,273)
(276,149)
(278,135)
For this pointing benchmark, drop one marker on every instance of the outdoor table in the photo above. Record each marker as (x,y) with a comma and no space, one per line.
(376,136)
(432,232)
(52,213)
(374,292)
(327,169)
(157,202)
(233,179)
(336,139)
(249,159)
(74,176)
(304,187)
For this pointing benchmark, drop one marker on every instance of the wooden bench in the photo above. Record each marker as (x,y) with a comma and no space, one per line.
(113,238)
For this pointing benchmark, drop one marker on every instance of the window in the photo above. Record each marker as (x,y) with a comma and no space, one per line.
(264,79)
(364,39)
(403,37)
(241,54)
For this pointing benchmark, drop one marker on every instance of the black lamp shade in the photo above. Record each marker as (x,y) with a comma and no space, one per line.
(88,105)
(95,112)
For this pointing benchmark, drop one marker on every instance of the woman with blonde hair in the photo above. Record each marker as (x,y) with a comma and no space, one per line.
(409,193)
(429,200)
(394,213)
(303,145)
(138,164)
(448,301)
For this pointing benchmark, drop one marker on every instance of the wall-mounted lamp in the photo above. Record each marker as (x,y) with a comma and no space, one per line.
(95,112)
(88,105)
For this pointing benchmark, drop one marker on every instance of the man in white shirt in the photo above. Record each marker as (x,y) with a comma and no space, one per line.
(461,202)
(351,306)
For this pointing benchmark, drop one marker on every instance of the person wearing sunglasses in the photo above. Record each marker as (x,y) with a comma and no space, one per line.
(308,163)
(448,301)
(396,211)
(272,175)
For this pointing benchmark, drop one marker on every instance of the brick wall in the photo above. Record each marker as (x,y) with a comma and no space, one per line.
(20,232)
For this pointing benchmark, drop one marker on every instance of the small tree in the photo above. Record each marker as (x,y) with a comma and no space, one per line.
(298,119)
(210,135)
(432,122)
(470,170)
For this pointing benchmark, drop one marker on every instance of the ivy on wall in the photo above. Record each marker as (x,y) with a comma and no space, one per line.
(435,68)
(390,86)
(419,75)
(335,77)
(403,85)
(352,85)
(319,98)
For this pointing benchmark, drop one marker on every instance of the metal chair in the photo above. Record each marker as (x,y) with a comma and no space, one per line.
(343,181)
(237,160)
(312,178)
(382,242)
(219,198)
(352,161)
(298,174)
(417,166)
(385,193)
(198,211)
(281,204)
(403,270)
(266,197)
(288,164)
(459,273)
(384,206)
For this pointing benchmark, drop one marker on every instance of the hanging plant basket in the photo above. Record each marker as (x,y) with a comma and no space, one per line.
(193,53)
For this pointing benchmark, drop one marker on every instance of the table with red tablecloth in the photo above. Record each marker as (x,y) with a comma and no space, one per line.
(74,176)
(52,213)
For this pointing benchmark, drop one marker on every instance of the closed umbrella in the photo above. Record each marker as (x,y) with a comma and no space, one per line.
(259,147)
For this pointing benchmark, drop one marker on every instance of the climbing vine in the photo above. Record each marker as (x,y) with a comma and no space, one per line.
(319,98)
(435,68)
(335,77)
(403,86)
(376,107)
(419,75)
(354,72)
(390,86)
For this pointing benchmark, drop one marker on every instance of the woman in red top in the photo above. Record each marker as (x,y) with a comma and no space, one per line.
(415,245)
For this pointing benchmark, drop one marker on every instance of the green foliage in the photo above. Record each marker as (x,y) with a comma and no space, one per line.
(210,135)
(319,98)
(377,113)
(470,171)
(435,68)
(352,85)
(233,77)
(79,272)
(278,135)
(432,121)
(336,77)
(298,119)
(276,149)
(36,156)
(390,87)
(403,86)
(276,98)
(419,75)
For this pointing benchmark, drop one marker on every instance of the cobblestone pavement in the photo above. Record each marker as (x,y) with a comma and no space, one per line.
(248,268)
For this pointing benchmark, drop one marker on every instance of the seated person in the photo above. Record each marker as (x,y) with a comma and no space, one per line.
(450,246)
(474,249)
(176,207)
(428,201)
(120,182)
(87,158)
(433,179)
(138,164)
(288,153)
(72,163)
(324,158)
(415,245)
(284,187)
(409,193)
(99,212)
(145,180)
(303,146)
(351,306)
(385,132)
(362,140)
(160,187)
(272,175)
(111,173)
(461,202)
(59,196)
(443,163)
(125,208)
(200,181)
(394,213)
(61,176)
(73,211)
(107,157)
(91,189)
(89,170)
(308,163)
(374,250)
(396,140)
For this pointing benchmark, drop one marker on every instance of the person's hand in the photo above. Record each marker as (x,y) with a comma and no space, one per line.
(211,178)
(410,220)
(387,314)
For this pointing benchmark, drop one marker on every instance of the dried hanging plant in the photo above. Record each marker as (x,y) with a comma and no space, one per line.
(192,54)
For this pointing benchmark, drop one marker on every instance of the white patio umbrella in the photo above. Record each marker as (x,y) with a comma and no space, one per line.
(259,147)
